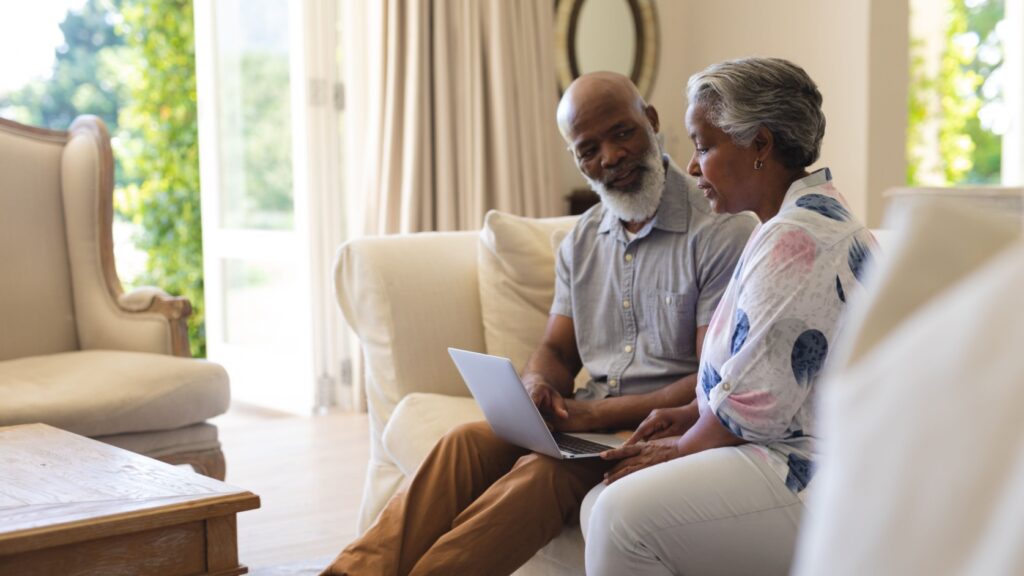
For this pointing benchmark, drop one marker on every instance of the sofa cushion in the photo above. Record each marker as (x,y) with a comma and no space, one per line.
(105,392)
(517,281)
(921,465)
(419,421)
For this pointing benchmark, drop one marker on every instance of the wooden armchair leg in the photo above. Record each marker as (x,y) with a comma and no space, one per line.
(206,462)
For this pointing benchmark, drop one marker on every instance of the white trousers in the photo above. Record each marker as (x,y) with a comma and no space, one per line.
(717,512)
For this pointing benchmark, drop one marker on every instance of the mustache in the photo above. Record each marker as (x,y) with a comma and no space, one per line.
(620,171)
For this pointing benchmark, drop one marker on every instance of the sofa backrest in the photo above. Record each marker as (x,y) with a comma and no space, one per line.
(36,306)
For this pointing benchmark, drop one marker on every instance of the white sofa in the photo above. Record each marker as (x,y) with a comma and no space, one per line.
(409,298)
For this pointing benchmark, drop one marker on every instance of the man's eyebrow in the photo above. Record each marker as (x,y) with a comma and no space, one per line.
(619,126)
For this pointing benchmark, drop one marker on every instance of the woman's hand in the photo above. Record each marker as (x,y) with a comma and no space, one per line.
(664,422)
(638,456)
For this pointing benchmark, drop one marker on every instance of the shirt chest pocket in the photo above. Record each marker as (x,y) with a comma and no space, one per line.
(669,328)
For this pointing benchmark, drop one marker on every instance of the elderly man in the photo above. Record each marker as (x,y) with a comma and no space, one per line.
(637,282)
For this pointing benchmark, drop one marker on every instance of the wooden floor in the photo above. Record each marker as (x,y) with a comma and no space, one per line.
(308,472)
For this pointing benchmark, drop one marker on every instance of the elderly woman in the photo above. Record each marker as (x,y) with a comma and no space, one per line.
(717,487)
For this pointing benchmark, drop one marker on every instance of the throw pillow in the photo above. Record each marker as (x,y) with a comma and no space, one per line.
(517,281)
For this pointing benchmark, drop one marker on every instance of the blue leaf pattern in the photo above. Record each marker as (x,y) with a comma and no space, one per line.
(801,470)
(824,205)
(733,427)
(709,377)
(739,334)
(809,352)
(858,259)
(839,290)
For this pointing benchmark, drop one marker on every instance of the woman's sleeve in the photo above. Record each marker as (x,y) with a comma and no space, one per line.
(775,349)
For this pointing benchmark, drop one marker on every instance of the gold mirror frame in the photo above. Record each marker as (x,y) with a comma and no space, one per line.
(645,61)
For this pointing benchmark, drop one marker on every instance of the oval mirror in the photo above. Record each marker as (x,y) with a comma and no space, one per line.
(615,35)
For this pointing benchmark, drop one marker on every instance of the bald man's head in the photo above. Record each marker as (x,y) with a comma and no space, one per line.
(611,133)
(594,94)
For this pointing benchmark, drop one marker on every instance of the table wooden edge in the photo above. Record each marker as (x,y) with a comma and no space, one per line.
(117,524)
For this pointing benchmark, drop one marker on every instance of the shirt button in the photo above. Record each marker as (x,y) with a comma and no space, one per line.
(625,303)
(629,257)
(668,300)
(628,348)
(726,386)
(613,382)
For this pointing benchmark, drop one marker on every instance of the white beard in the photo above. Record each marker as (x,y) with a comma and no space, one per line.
(637,205)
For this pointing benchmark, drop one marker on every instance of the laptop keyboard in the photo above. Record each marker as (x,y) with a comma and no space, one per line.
(576,445)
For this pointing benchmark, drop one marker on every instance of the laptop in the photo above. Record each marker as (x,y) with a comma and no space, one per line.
(513,416)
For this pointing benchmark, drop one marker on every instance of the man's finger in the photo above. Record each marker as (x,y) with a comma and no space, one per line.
(558,407)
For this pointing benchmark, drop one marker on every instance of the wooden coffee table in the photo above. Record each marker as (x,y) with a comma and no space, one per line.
(71,505)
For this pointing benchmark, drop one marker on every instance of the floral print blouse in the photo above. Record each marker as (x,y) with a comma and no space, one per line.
(772,331)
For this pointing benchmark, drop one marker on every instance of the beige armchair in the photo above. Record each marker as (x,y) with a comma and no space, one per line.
(76,352)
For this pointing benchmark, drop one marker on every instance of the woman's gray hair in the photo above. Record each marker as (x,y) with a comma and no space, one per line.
(740,96)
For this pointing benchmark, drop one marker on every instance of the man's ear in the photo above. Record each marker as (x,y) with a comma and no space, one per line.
(652,117)
(764,142)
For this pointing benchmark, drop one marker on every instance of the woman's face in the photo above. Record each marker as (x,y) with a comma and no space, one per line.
(723,169)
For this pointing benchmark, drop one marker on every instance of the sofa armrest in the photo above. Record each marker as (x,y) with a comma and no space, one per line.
(408,298)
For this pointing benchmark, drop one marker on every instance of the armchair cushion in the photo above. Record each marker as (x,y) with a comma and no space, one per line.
(106,392)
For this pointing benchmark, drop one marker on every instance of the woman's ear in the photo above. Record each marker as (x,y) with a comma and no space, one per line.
(764,142)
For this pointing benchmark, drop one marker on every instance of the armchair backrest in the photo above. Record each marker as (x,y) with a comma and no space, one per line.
(36,299)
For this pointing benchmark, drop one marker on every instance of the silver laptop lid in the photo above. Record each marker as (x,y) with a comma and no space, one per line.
(495,384)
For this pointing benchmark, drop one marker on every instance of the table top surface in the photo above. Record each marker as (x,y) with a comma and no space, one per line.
(55,481)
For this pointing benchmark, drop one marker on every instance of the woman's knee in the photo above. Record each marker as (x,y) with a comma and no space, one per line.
(622,511)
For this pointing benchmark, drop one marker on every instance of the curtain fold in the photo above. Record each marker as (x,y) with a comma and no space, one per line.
(453,112)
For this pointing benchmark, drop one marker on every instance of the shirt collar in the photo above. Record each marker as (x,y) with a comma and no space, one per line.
(673,214)
(816,178)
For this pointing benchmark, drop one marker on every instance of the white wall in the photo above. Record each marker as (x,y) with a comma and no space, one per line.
(855,50)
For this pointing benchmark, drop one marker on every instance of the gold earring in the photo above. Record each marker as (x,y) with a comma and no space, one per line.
(758,164)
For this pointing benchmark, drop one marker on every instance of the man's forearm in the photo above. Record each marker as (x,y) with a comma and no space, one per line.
(622,412)
(546,365)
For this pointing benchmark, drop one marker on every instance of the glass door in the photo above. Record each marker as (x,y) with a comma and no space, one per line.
(266,180)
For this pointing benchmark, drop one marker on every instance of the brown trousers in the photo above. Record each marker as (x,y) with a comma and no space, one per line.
(477,505)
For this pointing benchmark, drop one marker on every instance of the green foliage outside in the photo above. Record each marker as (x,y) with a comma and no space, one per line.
(987,158)
(132,63)
(921,85)
(257,177)
(162,141)
(968,151)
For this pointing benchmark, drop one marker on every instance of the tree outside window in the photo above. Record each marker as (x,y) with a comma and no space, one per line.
(956,108)
(131,62)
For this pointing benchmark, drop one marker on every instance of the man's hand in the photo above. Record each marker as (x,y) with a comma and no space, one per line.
(664,422)
(548,401)
(635,457)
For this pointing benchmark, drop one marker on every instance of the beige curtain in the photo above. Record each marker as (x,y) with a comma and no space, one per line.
(451,112)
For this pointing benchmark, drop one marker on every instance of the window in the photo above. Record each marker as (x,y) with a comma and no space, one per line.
(959,108)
